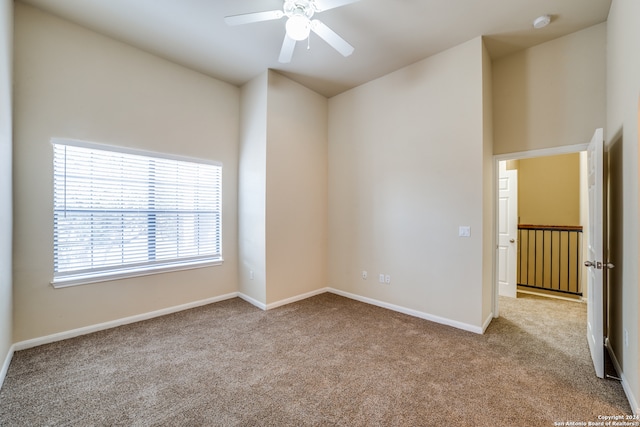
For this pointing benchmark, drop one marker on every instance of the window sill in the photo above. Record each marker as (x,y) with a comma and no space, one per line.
(85,279)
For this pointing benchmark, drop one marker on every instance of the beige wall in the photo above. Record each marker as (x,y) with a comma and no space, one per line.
(622,139)
(552,94)
(488,202)
(6,298)
(406,160)
(73,83)
(252,174)
(549,190)
(296,189)
(403,173)
(557,94)
(283,190)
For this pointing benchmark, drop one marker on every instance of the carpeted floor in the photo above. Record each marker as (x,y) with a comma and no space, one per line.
(323,361)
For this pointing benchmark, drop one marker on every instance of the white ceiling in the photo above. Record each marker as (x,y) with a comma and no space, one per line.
(387,34)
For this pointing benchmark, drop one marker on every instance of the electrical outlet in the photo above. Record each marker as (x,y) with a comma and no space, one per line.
(364,274)
(387,279)
(381,278)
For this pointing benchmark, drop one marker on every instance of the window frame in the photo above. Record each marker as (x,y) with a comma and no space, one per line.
(123,271)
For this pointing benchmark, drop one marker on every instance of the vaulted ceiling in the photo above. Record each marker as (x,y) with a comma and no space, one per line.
(386,34)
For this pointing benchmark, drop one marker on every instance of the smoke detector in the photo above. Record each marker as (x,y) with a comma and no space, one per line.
(541,21)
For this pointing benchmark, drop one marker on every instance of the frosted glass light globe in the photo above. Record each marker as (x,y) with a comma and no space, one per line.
(298,27)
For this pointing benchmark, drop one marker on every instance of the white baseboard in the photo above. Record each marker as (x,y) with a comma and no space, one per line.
(549,295)
(412,312)
(5,365)
(252,301)
(285,301)
(22,345)
(297,298)
(487,322)
(393,307)
(633,402)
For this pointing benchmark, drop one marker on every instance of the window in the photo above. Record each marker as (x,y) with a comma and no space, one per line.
(120,213)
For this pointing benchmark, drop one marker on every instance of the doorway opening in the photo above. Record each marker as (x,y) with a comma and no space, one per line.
(595,261)
(543,218)
(549,215)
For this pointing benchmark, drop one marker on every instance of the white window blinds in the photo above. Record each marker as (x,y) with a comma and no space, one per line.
(119,213)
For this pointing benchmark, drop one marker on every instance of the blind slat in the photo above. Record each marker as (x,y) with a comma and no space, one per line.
(116,211)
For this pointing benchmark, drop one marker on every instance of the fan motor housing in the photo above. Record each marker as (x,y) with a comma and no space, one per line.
(304,8)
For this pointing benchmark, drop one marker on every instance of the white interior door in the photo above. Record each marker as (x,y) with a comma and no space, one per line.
(507,231)
(595,260)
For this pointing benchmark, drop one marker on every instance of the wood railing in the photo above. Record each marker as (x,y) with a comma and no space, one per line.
(550,258)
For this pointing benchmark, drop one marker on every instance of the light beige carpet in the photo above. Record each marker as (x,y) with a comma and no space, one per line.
(323,361)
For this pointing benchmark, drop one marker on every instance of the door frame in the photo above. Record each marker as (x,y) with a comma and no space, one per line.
(566,149)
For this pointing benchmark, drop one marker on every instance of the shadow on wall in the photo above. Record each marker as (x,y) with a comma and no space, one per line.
(613,253)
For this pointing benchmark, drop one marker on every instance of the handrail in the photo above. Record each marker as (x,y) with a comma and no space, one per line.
(550,227)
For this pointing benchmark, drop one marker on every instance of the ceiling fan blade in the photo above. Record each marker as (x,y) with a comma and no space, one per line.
(248,18)
(322,5)
(334,40)
(286,53)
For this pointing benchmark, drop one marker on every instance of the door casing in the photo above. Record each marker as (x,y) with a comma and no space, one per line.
(567,149)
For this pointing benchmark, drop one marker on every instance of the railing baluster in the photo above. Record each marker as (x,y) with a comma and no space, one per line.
(577,262)
(544,251)
(559,261)
(535,257)
(551,257)
(547,252)
(519,255)
(567,263)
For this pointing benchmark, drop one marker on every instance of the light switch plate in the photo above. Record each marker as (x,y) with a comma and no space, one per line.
(464,231)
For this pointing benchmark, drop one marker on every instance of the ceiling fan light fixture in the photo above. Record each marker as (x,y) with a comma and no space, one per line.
(299,24)
(298,27)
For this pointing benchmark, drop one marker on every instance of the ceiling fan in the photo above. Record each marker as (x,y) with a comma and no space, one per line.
(299,24)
